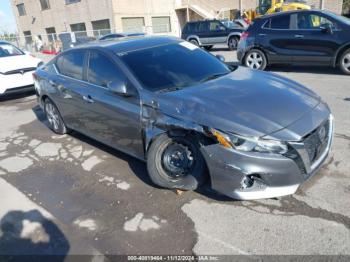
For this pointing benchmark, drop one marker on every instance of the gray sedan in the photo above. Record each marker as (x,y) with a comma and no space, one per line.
(190,116)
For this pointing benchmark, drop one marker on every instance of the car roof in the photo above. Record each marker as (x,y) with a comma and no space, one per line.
(292,12)
(127,44)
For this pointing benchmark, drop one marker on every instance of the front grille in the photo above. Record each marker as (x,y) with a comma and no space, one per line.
(316,143)
(20,71)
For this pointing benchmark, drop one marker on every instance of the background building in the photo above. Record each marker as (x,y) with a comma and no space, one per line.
(44,18)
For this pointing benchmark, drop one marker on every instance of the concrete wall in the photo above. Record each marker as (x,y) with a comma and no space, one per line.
(146,9)
(61,15)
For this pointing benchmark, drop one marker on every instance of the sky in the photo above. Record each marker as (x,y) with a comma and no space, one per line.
(7,20)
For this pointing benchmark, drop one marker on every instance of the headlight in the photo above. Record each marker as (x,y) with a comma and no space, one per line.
(249,144)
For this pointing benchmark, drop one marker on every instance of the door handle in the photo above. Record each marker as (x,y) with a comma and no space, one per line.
(299,36)
(262,34)
(88,99)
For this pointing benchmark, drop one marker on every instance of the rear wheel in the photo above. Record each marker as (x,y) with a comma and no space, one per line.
(255,59)
(176,162)
(345,62)
(194,41)
(233,42)
(56,123)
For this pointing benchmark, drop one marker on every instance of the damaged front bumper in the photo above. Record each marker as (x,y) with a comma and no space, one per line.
(254,175)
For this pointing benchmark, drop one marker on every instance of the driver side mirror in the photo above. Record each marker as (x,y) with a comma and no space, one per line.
(118,87)
(327,29)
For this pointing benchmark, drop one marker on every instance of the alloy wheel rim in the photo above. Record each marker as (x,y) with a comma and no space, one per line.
(52,116)
(177,160)
(254,60)
(346,62)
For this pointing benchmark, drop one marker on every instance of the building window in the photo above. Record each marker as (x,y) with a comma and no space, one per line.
(51,34)
(133,24)
(28,37)
(101,27)
(79,29)
(21,10)
(72,1)
(45,4)
(161,24)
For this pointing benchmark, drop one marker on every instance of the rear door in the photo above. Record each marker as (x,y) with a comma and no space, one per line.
(275,36)
(71,89)
(311,41)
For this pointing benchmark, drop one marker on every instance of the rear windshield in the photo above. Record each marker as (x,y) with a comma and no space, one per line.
(176,65)
(9,50)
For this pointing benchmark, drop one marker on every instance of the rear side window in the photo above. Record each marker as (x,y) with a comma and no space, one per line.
(279,22)
(102,70)
(71,64)
(191,28)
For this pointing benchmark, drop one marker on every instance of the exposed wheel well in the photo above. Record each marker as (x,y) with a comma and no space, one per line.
(340,53)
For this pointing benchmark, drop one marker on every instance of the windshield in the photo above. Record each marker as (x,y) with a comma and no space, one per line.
(340,18)
(9,50)
(173,66)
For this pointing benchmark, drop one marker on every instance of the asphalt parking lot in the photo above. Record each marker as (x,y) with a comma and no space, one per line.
(71,195)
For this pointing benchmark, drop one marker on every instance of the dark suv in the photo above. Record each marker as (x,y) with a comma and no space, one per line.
(211,32)
(297,37)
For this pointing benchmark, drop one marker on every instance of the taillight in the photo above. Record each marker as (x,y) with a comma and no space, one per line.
(244,35)
(35,76)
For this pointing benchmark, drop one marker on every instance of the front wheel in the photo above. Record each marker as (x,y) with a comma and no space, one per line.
(176,162)
(255,59)
(345,62)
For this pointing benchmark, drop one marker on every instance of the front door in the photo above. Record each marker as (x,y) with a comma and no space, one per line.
(312,42)
(111,118)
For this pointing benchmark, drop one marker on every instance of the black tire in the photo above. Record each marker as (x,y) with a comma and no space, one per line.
(194,41)
(255,59)
(54,118)
(344,62)
(166,173)
(233,42)
(208,47)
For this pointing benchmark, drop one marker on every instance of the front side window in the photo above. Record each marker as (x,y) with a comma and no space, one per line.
(176,65)
(312,21)
(21,10)
(45,4)
(280,22)
(71,64)
(216,26)
(9,50)
(102,70)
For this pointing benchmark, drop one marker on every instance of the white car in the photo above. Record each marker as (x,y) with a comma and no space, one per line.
(16,69)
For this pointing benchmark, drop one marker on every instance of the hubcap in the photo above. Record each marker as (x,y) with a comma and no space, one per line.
(52,116)
(177,160)
(254,60)
(233,43)
(346,62)
(194,42)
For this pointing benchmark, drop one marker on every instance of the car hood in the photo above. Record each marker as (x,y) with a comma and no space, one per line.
(246,102)
(17,62)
